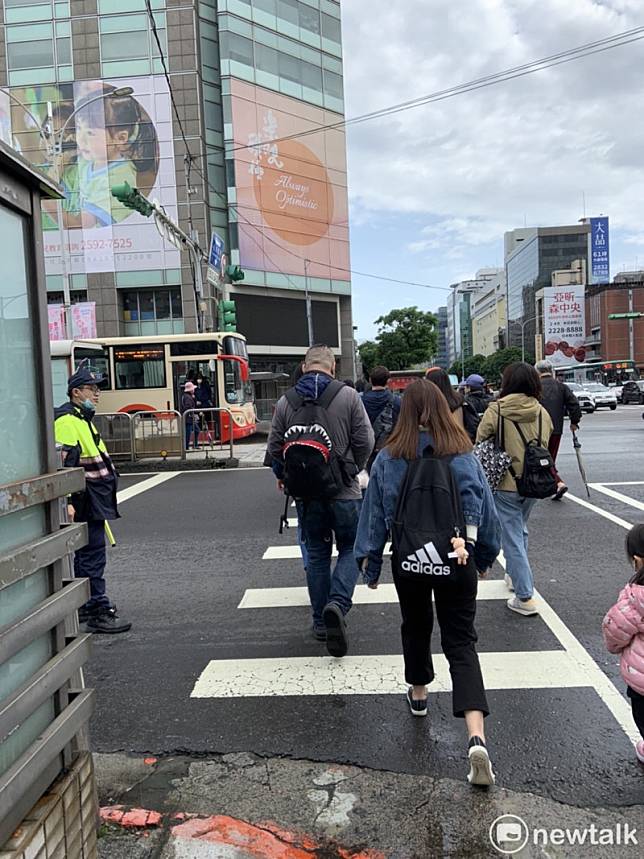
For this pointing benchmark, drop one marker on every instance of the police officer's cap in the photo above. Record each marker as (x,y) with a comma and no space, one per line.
(84,376)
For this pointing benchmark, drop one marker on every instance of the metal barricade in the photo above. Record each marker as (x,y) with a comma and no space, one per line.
(265,408)
(116,431)
(157,434)
(213,434)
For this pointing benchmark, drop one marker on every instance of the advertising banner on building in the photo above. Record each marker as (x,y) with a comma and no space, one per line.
(564,324)
(56,318)
(82,321)
(291,191)
(107,134)
(599,251)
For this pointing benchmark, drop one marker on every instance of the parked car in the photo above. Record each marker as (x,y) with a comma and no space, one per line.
(604,397)
(633,392)
(586,400)
(618,391)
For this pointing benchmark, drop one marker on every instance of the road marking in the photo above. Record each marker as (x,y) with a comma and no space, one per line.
(284,553)
(584,666)
(624,483)
(379,675)
(293,522)
(144,485)
(618,496)
(611,518)
(494,589)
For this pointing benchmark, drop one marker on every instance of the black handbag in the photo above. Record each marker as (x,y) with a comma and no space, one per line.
(494,459)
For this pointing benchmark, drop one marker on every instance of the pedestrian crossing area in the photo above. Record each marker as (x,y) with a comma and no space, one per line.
(297,675)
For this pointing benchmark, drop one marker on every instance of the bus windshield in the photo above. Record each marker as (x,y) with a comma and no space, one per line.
(237,391)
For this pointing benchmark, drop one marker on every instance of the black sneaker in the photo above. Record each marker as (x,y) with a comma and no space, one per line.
(318,632)
(480,766)
(84,614)
(107,621)
(336,630)
(418,708)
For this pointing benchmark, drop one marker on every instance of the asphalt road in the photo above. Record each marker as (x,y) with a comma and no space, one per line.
(189,549)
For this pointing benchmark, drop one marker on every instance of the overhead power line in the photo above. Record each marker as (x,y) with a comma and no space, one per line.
(567,56)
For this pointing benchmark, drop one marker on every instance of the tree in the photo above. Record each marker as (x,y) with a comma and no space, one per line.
(406,336)
(369,355)
(473,364)
(495,364)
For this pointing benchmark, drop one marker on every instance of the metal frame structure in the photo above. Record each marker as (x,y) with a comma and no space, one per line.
(23,783)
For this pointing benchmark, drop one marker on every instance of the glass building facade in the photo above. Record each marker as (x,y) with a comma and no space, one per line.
(531,257)
(241,74)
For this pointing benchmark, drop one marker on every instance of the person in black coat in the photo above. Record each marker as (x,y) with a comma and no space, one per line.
(558,400)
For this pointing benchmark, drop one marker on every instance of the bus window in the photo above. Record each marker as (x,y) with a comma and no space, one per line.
(97,360)
(59,376)
(235,346)
(237,391)
(139,367)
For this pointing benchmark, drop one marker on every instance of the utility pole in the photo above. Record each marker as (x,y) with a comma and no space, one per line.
(309,310)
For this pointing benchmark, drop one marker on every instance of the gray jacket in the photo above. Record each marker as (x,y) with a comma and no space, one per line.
(350,430)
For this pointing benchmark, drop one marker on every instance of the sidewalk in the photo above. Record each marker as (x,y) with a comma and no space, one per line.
(245,455)
(242,806)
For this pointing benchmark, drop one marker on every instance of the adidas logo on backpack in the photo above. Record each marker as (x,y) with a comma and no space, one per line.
(427,561)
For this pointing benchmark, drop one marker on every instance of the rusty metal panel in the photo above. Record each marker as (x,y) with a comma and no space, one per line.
(24,561)
(39,490)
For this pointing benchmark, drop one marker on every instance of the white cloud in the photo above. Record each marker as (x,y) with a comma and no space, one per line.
(523,151)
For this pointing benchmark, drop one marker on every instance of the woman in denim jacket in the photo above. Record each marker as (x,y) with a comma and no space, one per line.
(425,419)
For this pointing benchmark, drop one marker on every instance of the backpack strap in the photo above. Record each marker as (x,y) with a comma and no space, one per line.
(294,399)
(330,392)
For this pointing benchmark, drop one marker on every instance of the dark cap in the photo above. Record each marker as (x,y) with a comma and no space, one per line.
(84,376)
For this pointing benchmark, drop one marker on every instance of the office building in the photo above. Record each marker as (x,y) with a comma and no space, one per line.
(616,339)
(441,353)
(459,312)
(217,142)
(531,255)
(488,315)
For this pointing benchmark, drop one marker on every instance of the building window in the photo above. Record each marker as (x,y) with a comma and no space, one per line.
(34,53)
(152,311)
(128,44)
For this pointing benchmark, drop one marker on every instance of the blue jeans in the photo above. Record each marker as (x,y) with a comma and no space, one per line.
(514,512)
(191,427)
(320,521)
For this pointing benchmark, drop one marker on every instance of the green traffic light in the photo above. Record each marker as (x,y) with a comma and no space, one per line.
(235,272)
(131,198)
(227,316)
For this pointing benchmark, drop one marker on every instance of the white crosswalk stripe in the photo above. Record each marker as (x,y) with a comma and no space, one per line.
(284,553)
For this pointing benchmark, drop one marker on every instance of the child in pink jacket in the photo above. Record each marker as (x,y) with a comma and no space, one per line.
(623,630)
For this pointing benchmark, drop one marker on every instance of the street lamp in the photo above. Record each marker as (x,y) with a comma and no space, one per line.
(53,141)
(523,325)
(461,291)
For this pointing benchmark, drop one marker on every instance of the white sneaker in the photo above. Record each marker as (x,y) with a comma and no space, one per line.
(524,607)
(481,772)
(508,582)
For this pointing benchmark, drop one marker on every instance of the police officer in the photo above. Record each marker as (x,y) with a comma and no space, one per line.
(83,446)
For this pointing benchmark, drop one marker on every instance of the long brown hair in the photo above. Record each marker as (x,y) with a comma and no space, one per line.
(424,407)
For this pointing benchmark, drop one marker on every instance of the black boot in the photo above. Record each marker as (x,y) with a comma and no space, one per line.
(107,621)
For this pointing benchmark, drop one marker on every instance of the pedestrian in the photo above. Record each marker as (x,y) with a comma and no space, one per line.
(83,447)
(462,410)
(426,426)
(350,383)
(558,400)
(320,440)
(476,393)
(203,392)
(623,630)
(521,419)
(188,403)
(382,408)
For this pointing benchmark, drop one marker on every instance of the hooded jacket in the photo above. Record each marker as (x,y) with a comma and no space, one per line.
(623,631)
(375,401)
(84,447)
(525,411)
(349,427)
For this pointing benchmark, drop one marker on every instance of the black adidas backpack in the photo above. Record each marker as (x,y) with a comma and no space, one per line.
(428,515)
(538,477)
(312,468)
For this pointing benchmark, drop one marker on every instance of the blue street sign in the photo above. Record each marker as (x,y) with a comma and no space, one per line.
(599,251)
(216,250)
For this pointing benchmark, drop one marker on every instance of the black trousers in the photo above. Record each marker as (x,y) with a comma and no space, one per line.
(637,705)
(455,610)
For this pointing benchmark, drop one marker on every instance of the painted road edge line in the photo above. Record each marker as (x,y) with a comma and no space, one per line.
(610,516)
(144,485)
(618,496)
(586,666)
(377,675)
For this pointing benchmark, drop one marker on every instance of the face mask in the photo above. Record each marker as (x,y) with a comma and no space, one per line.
(88,406)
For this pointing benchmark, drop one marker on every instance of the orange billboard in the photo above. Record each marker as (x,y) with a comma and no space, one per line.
(291,190)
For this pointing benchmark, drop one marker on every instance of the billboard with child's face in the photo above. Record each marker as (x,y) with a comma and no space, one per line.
(291,191)
(108,134)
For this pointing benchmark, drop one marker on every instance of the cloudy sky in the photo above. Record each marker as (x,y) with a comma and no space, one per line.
(433,189)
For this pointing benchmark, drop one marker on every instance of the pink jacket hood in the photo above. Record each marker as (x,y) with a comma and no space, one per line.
(623,630)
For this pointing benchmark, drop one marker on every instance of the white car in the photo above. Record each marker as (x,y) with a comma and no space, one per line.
(585,398)
(604,397)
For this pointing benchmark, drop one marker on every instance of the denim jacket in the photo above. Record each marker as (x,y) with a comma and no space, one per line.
(379,507)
